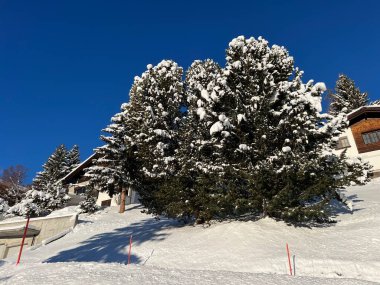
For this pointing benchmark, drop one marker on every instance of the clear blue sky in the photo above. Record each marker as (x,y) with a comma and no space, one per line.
(66,66)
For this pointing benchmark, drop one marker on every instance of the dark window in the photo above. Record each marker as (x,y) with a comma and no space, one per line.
(342,143)
(371,137)
(80,190)
(106,203)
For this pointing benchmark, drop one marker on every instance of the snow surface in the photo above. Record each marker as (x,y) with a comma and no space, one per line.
(286,149)
(114,274)
(216,127)
(167,252)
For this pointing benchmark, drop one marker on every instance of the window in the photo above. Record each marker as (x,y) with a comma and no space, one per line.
(80,190)
(343,143)
(371,137)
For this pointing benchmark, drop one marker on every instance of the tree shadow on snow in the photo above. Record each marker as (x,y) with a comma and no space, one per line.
(113,246)
(335,209)
(2,279)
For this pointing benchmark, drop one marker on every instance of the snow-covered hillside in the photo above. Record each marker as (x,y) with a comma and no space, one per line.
(166,252)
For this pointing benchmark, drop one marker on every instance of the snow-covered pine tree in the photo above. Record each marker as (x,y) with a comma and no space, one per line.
(159,94)
(155,106)
(257,75)
(347,96)
(288,142)
(47,193)
(3,207)
(55,168)
(279,159)
(116,167)
(207,147)
(210,133)
(89,204)
(40,181)
(32,205)
(73,158)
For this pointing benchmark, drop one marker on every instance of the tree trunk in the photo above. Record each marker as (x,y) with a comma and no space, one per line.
(122,200)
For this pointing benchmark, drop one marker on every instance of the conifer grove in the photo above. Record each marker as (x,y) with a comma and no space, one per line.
(243,141)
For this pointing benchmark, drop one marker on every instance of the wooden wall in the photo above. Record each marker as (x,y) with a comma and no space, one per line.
(365,126)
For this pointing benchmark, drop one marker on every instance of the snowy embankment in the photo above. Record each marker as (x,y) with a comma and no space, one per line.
(166,252)
(113,274)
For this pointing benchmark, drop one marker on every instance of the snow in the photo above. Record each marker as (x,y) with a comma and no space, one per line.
(320,86)
(241,117)
(205,95)
(201,113)
(315,101)
(162,133)
(243,147)
(232,252)
(216,127)
(115,274)
(286,149)
(214,97)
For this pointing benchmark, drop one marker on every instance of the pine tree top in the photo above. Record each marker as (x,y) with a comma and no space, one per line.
(347,96)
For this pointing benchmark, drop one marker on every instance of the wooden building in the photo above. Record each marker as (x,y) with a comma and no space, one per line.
(362,138)
(76,184)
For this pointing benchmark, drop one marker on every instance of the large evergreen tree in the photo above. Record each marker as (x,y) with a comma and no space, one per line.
(143,138)
(275,150)
(253,140)
(155,102)
(116,166)
(347,96)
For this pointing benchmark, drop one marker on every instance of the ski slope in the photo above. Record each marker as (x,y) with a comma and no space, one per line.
(167,252)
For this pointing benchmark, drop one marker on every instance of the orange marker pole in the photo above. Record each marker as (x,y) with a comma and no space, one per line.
(23,240)
(290,264)
(130,247)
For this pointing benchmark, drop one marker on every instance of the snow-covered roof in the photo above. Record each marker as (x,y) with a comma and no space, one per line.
(365,111)
(86,163)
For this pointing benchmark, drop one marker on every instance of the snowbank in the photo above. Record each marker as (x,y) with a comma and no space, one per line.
(224,253)
(97,273)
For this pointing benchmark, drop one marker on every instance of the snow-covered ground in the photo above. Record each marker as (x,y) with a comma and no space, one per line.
(167,252)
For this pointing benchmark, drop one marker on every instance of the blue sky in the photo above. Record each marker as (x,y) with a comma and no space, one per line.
(66,66)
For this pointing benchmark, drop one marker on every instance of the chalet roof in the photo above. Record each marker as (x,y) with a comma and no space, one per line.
(364,113)
(77,170)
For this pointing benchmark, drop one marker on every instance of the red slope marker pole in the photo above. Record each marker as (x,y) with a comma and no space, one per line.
(23,240)
(130,247)
(290,264)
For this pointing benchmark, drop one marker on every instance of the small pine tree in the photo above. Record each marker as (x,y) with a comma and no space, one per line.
(347,96)
(47,184)
(55,168)
(89,204)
